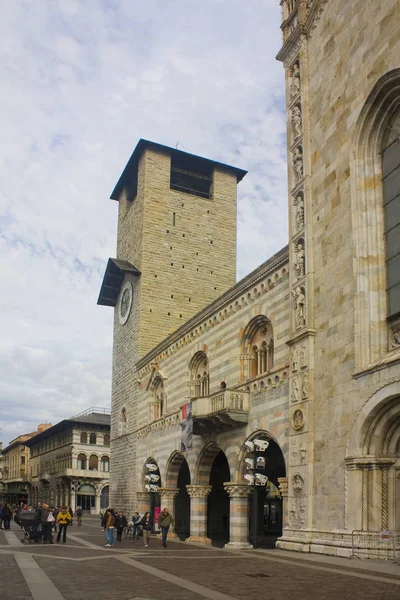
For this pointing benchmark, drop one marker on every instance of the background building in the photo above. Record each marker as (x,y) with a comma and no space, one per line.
(16,467)
(70,462)
(303,352)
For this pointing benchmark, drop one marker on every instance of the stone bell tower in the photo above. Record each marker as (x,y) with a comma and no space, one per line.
(176,253)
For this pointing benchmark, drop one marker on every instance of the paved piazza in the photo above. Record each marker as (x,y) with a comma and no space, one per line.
(84,568)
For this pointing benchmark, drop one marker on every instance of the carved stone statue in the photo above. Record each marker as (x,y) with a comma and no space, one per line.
(295,82)
(300,259)
(297,121)
(298,163)
(295,389)
(295,358)
(304,387)
(303,356)
(300,211)
(299,304)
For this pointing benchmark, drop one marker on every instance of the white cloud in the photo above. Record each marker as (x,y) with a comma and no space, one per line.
(80,84)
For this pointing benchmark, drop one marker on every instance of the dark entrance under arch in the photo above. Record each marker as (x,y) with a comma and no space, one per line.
(269,514)
(218,502)
(182,503)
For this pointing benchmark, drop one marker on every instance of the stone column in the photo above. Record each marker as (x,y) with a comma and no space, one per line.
(238,518)
(97,501)
(143,502)
(198,514)
(283,488)
(167,496)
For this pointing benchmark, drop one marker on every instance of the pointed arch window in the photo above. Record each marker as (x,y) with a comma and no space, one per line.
(391,201)
(123,422)
(257,355)
(159,399)
(199,383)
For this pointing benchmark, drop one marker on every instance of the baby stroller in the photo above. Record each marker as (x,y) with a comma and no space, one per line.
(29,521)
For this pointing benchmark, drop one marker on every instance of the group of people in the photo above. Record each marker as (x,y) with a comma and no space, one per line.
(48,519)
(113,520)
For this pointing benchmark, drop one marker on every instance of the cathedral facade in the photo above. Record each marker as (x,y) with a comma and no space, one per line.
(304,352)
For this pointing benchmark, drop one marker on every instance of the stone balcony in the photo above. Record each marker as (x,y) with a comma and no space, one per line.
(224,409)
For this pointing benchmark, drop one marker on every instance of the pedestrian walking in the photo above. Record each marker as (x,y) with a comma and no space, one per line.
(63,520)
(6,516)
(147,526)
(120,523)
(79,513)
(165,521)
(47,524)
(136,525)
(109,522)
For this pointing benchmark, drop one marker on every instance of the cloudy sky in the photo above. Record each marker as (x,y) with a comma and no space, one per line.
(81,81)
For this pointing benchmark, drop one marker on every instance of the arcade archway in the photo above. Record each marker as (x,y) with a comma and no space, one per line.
(269,504)
(218,501)
(178,476)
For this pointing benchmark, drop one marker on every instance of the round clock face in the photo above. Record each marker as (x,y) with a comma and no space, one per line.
(125,302)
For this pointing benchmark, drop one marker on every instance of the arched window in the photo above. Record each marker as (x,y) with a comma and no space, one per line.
(391,201)
(93,463)
(257,355)
(159,398)
(92,438)
(81,461)
(105,464)
(375,194)
(83,437)
(199,375)
(106,439)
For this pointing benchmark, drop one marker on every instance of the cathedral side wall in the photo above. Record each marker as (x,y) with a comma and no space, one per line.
(353,45)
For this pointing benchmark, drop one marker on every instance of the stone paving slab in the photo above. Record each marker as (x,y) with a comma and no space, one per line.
(108,581)
(267,580)
(12,585)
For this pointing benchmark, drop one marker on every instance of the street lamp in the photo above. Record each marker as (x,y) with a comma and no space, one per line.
(255,464)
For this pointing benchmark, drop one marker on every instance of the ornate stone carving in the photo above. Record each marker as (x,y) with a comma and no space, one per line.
(299,299)
(298,420)
(295,83)
(303,356)
(304,386)
(295,389)
(395,335)
(168,493)
(299,258)
(298,483)
(160,424)
(297,121)
(238,490)
(297,160)
(298,202)
(198,491)
(283,486)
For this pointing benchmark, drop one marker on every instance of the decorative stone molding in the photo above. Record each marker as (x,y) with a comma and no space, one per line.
(298,483)
(142,496)
(298,420)
(198,491)
(238,490)
(159,425)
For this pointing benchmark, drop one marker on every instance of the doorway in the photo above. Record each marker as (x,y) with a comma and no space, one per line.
(218,502)
(182,503)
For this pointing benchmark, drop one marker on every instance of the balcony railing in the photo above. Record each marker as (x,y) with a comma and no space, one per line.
(221,410)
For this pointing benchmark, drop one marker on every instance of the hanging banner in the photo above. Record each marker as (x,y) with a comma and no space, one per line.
(187,427)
